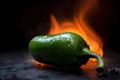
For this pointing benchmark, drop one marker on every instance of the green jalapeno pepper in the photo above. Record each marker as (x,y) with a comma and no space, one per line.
(65,49)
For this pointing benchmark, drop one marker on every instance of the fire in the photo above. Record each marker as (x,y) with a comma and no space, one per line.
(80,26)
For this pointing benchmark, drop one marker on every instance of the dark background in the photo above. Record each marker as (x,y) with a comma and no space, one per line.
(21,20)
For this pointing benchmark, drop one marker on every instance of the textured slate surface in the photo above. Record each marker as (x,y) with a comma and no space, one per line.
(18,65)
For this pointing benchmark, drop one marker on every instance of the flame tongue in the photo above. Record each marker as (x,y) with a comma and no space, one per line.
(81,28)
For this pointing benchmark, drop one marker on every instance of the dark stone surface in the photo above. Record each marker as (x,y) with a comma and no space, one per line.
(18,65)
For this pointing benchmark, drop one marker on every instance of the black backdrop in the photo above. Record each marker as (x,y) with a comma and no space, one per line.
(21,20)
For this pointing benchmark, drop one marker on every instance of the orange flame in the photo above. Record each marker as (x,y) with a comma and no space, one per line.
(80,27)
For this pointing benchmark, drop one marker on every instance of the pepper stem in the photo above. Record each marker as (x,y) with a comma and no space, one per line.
(90,54)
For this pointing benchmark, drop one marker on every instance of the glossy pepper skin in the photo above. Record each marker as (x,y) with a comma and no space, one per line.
(65,49)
